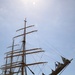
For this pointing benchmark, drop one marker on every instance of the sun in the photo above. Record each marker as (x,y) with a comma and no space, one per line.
(30,2)
(33,3)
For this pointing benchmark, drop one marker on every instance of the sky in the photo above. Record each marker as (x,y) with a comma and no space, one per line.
(54,20)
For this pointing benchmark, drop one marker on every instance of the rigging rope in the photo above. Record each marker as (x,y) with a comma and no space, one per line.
(48,44)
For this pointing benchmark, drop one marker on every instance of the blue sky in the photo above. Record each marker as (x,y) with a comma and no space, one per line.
(54,19)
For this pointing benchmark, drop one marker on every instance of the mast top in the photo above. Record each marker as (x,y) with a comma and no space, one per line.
(25,20)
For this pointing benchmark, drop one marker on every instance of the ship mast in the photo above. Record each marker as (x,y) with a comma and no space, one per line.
(19,67)
(24,52)
(12,57)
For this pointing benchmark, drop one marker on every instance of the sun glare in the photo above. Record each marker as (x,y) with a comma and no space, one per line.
(33,3)
(30,2)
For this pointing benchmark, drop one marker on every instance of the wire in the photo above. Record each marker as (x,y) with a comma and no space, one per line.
(51,58)
(35,61)
(41,69)
(48,44)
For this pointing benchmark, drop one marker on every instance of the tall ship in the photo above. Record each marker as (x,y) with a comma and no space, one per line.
(17,63)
